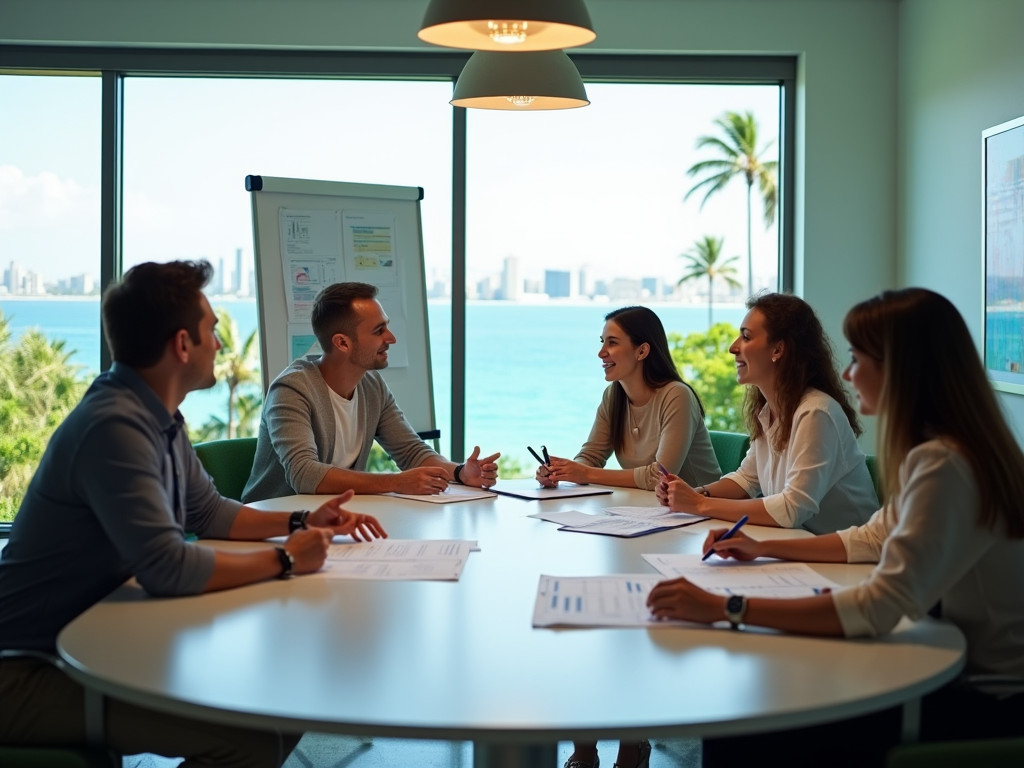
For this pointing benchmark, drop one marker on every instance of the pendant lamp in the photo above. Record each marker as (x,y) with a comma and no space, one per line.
(507,25)
(523,82)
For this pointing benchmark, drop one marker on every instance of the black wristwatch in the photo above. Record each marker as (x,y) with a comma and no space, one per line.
(458,472)
(297,522)
(287,562)
(735,610)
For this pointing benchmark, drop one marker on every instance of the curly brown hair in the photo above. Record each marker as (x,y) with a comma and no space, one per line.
(807,362)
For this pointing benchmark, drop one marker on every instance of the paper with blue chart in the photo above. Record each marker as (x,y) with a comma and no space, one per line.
(595,601)
(757,578)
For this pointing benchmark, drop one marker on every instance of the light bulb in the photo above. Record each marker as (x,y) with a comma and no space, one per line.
(521,101)
(508,33)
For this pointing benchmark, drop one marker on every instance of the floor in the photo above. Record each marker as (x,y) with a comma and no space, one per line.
(322,751)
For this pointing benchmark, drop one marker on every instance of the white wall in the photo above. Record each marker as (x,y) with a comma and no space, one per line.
(961,71)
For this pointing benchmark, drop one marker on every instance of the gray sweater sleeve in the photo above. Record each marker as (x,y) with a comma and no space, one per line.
(290,417)
(394,432)
(598,448)
(118,468)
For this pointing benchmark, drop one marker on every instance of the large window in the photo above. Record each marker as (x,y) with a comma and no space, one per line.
(189,144)
(50,252)
(572,214)
(566,215)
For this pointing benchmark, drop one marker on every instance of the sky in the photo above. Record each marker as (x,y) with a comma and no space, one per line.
(601,186)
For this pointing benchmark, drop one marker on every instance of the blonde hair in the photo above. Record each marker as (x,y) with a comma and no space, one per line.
(934,386)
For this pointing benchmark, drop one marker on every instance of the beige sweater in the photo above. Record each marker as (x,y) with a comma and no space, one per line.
(668,430)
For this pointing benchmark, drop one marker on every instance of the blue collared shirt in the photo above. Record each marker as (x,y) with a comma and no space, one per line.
(115,492)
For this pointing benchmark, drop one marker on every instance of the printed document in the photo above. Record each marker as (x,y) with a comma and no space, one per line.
(596,601)
(451,495)
(757,578)
(310,257)
(398,559)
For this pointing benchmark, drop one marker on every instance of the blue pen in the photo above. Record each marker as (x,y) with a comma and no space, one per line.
(728,535)
(661,469)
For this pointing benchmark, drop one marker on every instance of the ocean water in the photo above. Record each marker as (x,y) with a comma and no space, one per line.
(533,375)
(1004,340)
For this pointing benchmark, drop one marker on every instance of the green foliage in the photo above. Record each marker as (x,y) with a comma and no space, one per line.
(237,366)
(511,468)
(706,364)
(38,389)
(379,461)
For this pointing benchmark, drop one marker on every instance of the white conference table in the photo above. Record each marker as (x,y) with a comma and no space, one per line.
(461,661)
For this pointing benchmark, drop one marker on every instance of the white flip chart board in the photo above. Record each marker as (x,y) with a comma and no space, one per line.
(308,234)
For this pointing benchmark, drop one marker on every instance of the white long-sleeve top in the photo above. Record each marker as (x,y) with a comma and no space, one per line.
(820,480)
(929,546)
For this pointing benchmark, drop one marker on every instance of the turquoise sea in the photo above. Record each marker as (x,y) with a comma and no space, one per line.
(533,374)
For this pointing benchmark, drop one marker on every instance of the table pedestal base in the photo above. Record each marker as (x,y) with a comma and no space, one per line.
(515,755)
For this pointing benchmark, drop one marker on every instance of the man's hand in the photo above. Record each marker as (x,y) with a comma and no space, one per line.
(738,546)
(680,599)
(481,473)
(341,522)
(309,548)
(544,477)
(421,481)
(566,470)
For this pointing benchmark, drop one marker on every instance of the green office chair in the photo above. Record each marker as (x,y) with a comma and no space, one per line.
(873,471)
(730,448)
(994,753)
(48,757)
(229,463)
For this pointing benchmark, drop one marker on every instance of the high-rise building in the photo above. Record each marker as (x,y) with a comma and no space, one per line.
(236,285)
(586,281)
(652,287)
(624,288)
(557,284)
(15,278)
(221,283)
(81,285)
(487,287)
(511,284)
(34,284)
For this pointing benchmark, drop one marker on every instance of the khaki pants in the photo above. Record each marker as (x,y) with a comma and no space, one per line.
(41,706)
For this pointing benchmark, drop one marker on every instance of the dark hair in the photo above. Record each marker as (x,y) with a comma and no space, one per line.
(332,310)
(643,327)
(808,361)
(150,304)
(933,385)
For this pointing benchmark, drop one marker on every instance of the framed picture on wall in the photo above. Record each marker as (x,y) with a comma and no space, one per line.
(1002,236)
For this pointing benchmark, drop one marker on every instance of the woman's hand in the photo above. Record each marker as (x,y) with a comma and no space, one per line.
(564,470)
(681,497)
(739,546)
(341,522)
(681,599)
(661,491)
(544,477)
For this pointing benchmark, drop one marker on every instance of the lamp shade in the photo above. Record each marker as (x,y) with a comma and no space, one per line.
(507,25)
(520,82)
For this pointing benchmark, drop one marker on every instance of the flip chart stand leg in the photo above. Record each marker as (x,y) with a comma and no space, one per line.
(486,755)
(910,732)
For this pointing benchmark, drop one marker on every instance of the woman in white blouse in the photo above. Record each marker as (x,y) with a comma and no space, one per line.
(804,468)
(648,414)
(951,532)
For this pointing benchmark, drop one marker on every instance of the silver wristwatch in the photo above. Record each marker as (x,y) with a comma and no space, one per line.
(735,610)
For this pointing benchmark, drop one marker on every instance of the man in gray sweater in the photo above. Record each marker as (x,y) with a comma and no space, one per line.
(115,492)
(321,418)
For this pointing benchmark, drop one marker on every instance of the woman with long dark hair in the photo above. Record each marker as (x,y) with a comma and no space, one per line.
(804,468)
(950,533)
(648,414)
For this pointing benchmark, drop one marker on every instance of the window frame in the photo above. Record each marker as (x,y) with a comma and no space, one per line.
(115,64)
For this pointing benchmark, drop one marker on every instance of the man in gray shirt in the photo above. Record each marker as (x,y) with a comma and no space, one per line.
(321,418)
(118,487)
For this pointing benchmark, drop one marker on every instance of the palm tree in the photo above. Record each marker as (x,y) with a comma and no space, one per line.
(236,365)
(704,260)
(739,157)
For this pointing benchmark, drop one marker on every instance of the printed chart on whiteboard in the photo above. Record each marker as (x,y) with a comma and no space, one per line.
(371,256)
(319,248)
